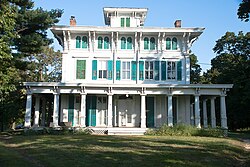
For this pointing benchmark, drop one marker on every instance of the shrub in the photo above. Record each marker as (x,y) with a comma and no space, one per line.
(185,130)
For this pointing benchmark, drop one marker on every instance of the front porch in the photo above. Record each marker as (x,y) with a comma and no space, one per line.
(118,108)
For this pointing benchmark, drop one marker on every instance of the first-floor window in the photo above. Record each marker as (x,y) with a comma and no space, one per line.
(171,72)
(149,70)
(102,72)
(126,70)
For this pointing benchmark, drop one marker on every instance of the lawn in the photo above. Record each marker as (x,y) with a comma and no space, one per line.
(90,150)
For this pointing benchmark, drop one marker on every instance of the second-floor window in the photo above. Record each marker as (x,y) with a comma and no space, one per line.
(126,43)
(102,70)
(80,69)
(126,70)
(171,70)
(149,43)
(103,42)
(149,70)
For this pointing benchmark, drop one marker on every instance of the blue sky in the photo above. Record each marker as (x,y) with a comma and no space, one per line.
(217,16)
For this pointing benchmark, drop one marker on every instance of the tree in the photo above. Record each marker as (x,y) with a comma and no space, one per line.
(195,72)
(23,32)
(244,10)
(232,66)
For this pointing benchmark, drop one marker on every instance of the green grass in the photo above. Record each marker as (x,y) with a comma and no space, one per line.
(90,150)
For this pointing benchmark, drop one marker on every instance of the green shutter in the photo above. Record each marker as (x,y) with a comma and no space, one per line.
(84,42)
(168,44)
(146,43)
(71,110)
(141,70)
(118,70)
(133,70)
(179,70)
(152,43)
(94,69)
(91,110)
(163,70)
(78,42)
(174,43)
(129,43)
(123,43)
(106,43)
(127,22)
(110,69)
(150,112)
(122,22)
(100,41)
(80,69)
(156,70)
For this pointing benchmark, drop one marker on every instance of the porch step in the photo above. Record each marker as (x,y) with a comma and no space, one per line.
(126,131)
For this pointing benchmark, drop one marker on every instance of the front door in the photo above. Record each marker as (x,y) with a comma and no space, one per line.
(102,111)
(125,108)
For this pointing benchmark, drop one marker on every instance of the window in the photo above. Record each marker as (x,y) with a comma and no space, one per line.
(106,42)
(149,70)
(126,70)
(127,22)
(171,71)
(168,44)
(171,44)
(80,69)
(129,43)
(126,43)
(78,42)
(174,43)
(100,41)
(123,43)
(84,42)
(102,70)
(152,43)
(146,43)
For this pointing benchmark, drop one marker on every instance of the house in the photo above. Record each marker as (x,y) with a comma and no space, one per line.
(125,75)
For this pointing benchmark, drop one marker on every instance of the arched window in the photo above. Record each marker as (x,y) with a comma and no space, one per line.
(146,43)
(106,43)
(129,43)
(78,42)
(123,43)
(152,43)
(168,44)
(100,41)
(84,42)
(174,43)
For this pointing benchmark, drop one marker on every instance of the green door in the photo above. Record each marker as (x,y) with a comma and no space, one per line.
(91,111)
(150,111)
(71,110)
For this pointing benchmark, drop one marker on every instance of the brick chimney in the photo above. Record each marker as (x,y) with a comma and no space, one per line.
(177,23)
(72,21)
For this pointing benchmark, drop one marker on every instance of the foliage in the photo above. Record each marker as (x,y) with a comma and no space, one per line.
(232,66)
(23,34)
(244,10)
(56,131)
(195,72)
(185,130)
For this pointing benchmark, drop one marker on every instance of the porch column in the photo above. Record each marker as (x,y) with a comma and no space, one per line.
(170,110)
(110,110)
(27,123)
(197,118)
(43,111)
(213,117)
(36,116)
(192,114)
(56,109)
(204,113)
(143,110)
(83,110)
(223,112)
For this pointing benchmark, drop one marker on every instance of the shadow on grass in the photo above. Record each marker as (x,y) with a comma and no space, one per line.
(87,150)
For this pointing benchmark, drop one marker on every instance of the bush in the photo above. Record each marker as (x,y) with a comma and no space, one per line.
(185,130)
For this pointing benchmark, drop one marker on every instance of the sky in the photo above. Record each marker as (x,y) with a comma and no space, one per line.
(216,16)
